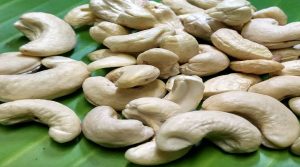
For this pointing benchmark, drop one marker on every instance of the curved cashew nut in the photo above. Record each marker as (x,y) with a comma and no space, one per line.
(149,154)
(182,6)
(259,66)
(102,126)
(137,42)
(16,63)
(123,12)
(134,75)
(278,87)
(62,79)
(232,12)
(184,45)
(294,104)
(231,133)
(200,25)
(229,82)
(80,16)
(273,12)
(287,54)
(105,58)
(49,34)
(164,15)
(101,91)
(186,91)
(278,125)
(232,43)
(290,68)
(295,148)
(165,60)
(106,29)
(63,122)
(209,61)
(205,4)
(267,31)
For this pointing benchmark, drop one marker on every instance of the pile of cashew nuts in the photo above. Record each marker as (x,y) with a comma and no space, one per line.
(149,102)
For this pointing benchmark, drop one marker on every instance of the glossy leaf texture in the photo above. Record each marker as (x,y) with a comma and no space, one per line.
(28,144)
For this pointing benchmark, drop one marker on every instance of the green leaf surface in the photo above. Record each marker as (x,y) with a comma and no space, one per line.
(29,145)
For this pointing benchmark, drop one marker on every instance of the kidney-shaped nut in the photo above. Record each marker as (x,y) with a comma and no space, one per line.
(164,15)
(133,75)
(282,55)
(151,111)
(123,12)
(49,34)
(104,58)
(278,125)
(232,43)
(229,82)
(80,16)
(209,61)
(165,60)
(61,79)
(200,25)
(63,122)
(101,91)
(182,6)
(278,87)
(102,126)
(267,31)
(294,104)
(273,12)
(16,63)
(258,66)
(106,29)
(186,91)
(149,154)
(290,68)
(232,12)
(205,4)
(230,132)
(137,42)
(184,45)
(295,148)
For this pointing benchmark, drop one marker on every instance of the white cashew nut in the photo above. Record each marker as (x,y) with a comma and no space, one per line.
(80,16)
(294,104)
(273,12)
(63,122)
(290,68)
(205,4)
(287,54)
(49,34)
(182,6)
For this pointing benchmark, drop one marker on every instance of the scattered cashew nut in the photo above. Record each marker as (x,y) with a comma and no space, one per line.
(205,4)
(273,12)
(80,16)
(290,68)
(287,54)
(294,104)
(182,6)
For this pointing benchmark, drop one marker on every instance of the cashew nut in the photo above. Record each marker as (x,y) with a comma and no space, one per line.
(278,125)
(209,61)
(259,66)
(137,42)
(49,34)
(16,63)
(290,68)
(165,60)
(295,148)
(104,58)
(273,12)
(80,16)
(278,87)
(205,4)
(232,43)
(134,75)
(123,12)
(268,31)
(106,29)
(232,12)
(101,91)
(63,122)
(294,104)
(229,82)
(184,45)
(186,91)
(231,133)
(102,126)
(287,54)
(62,79)
(182,6)
(200,25)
